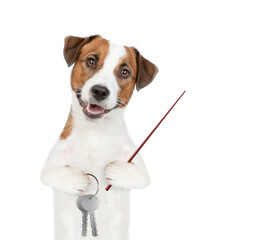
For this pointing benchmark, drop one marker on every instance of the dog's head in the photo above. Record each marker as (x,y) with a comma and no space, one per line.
(105,74)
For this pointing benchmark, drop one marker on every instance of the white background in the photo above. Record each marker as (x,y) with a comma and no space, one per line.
(209,159)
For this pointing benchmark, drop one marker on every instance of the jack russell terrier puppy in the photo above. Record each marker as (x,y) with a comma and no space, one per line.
(95,138)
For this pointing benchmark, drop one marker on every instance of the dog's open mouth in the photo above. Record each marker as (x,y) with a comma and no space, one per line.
(92,110)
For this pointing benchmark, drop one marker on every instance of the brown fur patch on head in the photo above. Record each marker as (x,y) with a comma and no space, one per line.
(98,48)
(126,84)
(67,128)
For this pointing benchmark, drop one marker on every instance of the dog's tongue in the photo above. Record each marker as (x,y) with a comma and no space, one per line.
(95,109)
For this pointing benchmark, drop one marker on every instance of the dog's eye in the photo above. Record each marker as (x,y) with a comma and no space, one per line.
(91,62)
(124,73)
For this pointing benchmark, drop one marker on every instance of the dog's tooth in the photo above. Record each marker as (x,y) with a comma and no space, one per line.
(88,107)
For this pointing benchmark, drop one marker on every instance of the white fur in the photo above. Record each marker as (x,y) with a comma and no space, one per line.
(100,147)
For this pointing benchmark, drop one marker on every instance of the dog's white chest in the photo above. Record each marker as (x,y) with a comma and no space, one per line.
(92,150)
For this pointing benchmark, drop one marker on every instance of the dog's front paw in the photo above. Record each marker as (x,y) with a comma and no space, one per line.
(117,172)
(73,181)
(124,174)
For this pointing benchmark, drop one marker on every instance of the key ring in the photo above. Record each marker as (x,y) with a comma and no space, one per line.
(97,183)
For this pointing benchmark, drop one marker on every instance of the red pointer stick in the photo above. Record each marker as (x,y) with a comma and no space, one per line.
(138,149)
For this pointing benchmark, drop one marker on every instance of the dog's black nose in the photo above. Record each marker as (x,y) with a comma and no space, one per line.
(99,92)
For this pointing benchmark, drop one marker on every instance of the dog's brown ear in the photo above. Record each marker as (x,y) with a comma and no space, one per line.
(146,71)
(72,47)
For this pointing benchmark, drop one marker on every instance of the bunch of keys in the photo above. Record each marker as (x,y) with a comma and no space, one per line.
(87,204)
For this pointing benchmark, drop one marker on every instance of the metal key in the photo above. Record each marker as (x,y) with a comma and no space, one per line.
(88,203)
(84,216)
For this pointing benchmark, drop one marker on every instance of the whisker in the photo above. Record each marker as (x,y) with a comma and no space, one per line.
(120,100)
(121,103)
